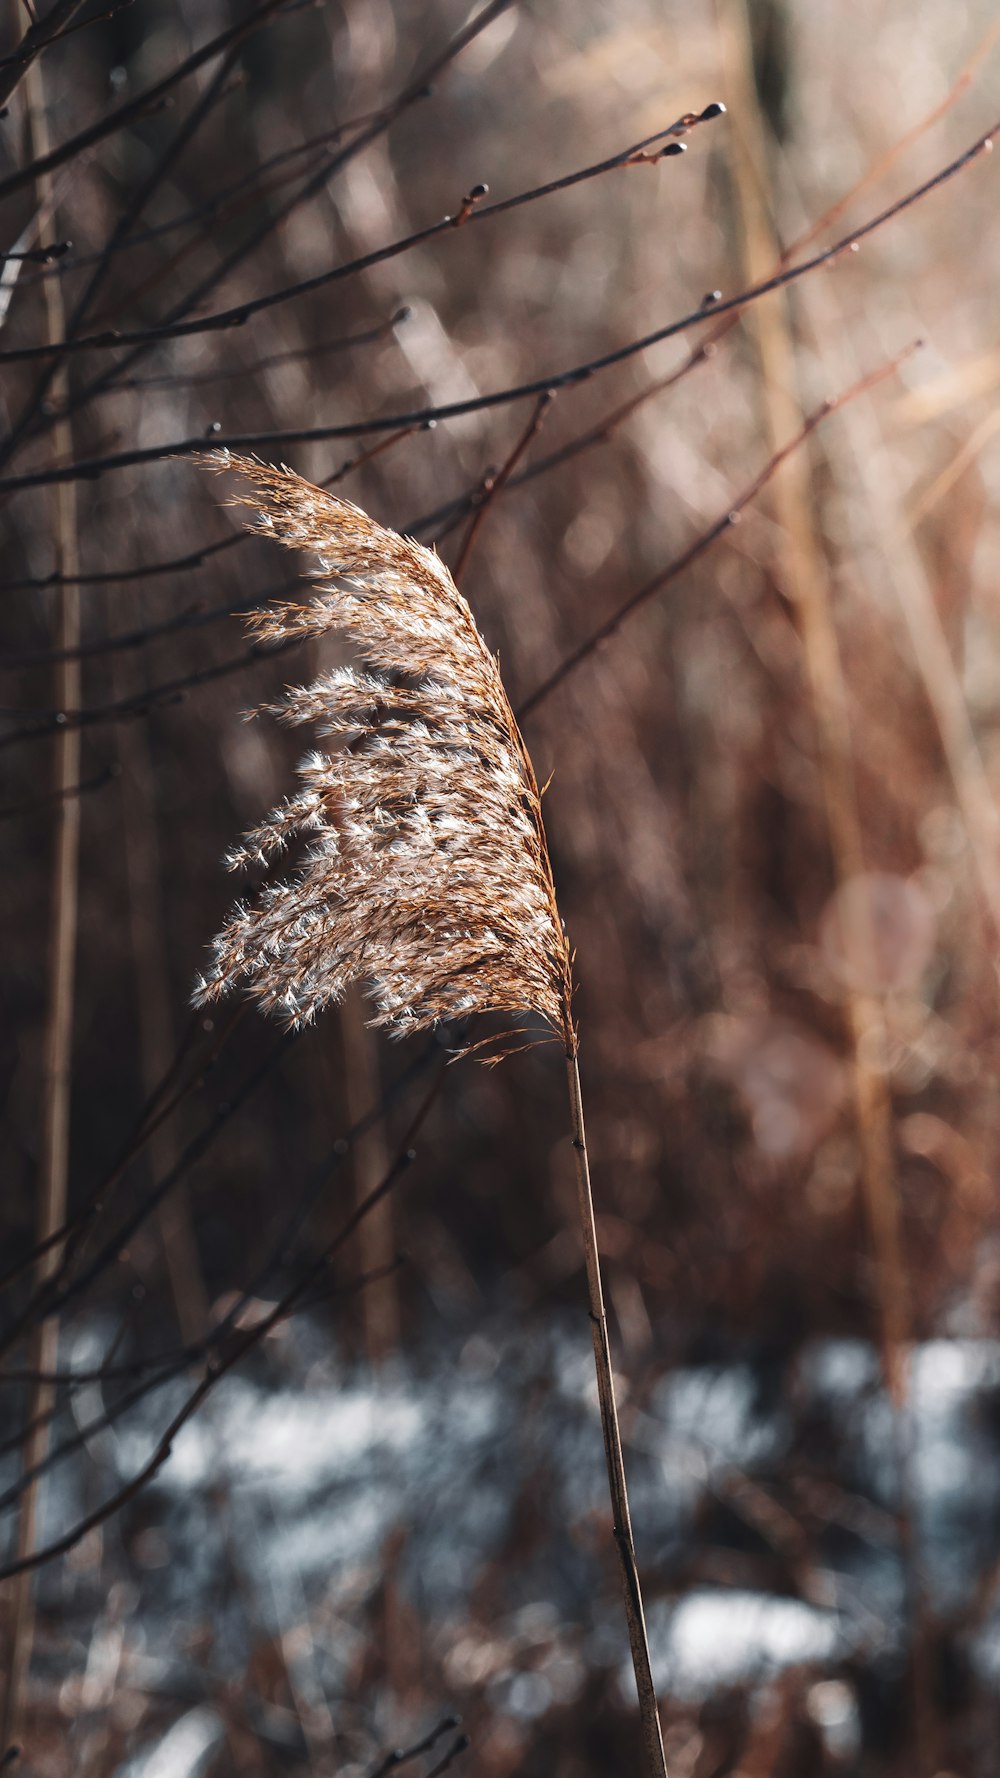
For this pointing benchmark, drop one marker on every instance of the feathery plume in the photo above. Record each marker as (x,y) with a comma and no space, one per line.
(426,874)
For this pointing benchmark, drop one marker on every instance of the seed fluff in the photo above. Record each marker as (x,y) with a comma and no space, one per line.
(425,873)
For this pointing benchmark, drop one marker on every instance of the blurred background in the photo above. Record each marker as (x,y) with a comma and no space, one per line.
(773,821)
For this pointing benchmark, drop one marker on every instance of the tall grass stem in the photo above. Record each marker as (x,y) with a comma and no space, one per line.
(655,1760)
(54,1163)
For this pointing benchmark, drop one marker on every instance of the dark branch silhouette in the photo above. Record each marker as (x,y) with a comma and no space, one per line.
(503,397)
(635,155)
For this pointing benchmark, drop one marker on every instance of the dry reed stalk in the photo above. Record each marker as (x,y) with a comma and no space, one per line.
(932,652)
(426,876)
(933,656)
(54,1161)
(806,579)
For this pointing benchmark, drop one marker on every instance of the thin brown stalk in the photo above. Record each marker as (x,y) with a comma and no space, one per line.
(652,1735)
(706,539)
(426,876)
(933,657)
(54,1165)
(806,578)
(495,484)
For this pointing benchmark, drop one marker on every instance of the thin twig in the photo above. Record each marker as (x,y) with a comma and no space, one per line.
(495,484)
(173,691)
(196,559)
(38,36)
(450,1755)
(162,1367)
(704,542)
(219,1367)
(222,206)
(238,316)
(415,90)
(55,1293)
(213,92)
(157,697)
(401,1755)
(34,805)
(96,466)
(140,106)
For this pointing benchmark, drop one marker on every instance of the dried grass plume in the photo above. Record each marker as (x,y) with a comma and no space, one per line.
(425,874)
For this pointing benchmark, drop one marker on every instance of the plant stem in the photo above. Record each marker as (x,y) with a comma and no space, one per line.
(54,1163)
(655,1761)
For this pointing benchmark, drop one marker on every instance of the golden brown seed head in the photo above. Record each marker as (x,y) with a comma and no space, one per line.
(425,873)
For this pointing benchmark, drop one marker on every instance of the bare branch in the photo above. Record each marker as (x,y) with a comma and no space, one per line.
(703,543)
(36,38)
(218,1367)
(400,1756)
(495,484)
(141,105)
(225,319)
(503,397)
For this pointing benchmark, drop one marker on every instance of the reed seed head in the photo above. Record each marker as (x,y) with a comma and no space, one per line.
(425,873)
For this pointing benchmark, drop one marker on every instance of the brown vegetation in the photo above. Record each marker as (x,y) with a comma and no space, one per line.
(773,823)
